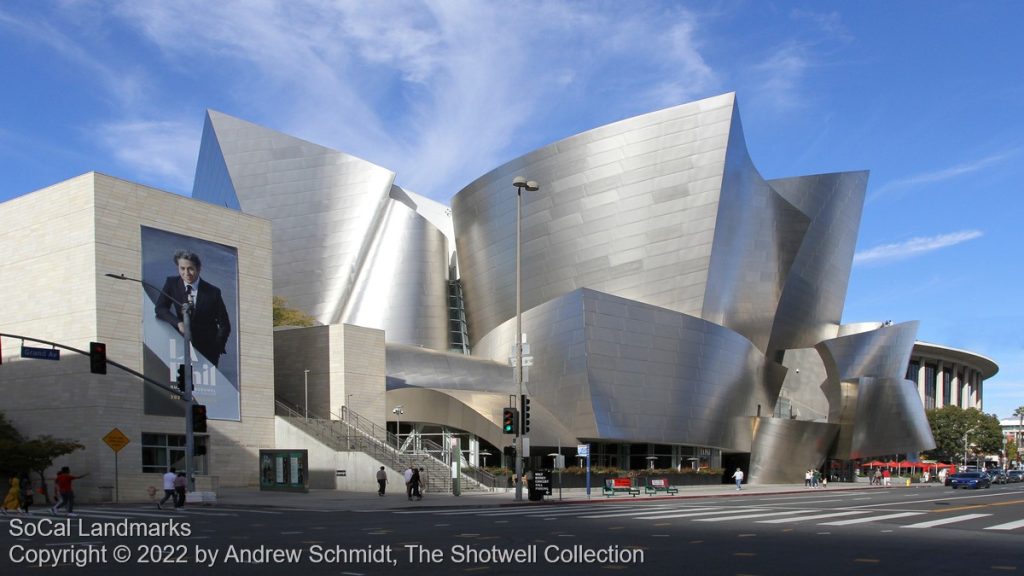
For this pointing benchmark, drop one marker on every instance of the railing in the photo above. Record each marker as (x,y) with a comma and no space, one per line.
(351,431)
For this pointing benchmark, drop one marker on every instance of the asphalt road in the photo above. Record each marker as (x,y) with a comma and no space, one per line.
(918,531)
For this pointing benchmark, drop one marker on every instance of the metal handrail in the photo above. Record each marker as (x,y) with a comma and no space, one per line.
(351,431)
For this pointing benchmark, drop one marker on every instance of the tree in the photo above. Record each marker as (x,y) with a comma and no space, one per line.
(958,432)
(1019,413)
(18,454)
(1012,451)
(285,316)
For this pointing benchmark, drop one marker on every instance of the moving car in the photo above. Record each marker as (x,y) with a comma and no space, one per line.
(970,480)
(1015,476)
(997,475)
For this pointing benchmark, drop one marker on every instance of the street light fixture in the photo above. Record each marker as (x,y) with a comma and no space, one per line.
(305,388)
(520,182)
(965,443)
(190,401)
(397,411)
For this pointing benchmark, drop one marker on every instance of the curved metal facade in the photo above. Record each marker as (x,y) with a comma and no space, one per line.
(349,247)
(670,292)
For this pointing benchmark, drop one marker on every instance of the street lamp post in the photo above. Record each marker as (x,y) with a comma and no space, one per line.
(965,444)
(520,182)
(190,401)
(305,389)
(397,411)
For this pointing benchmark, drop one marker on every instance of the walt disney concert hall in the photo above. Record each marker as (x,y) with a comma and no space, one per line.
(679,309)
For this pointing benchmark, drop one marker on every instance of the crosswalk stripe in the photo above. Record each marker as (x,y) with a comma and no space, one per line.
(941,521)
(1008,526)
(746,516)
(639,512)
(813,517)
(692,514)
(870,519)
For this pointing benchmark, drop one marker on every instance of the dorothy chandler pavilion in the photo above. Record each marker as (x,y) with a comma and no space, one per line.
(678,309)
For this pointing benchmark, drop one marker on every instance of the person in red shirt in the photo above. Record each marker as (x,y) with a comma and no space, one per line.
(67,493)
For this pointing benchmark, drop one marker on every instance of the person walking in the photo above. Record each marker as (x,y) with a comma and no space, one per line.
(414,482)
(169,477)
(738,476)
(65,487)
(382,481)
(180,484)
(27,494)
(807,478)
(12,501)
(407,475)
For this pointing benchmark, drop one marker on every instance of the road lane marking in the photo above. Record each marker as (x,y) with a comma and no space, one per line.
(1007,526)
(941,521)
(691,514)
(870,519)
(642,512)
(813,517)
(746,516)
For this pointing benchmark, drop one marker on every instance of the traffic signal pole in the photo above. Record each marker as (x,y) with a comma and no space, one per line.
(186,313)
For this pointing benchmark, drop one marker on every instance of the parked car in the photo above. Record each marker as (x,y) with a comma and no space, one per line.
(1015,476)
(997,475)
(970,480)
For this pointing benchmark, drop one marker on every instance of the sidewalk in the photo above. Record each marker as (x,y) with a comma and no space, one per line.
(334,500)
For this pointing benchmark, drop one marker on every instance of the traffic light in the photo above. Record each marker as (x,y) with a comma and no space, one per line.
(509,420)
(97,357)
(524,406)
(181,378)
(198,418)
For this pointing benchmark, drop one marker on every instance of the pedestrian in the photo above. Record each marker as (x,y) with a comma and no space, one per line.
(807,478)
(887,478)
(423,482)
(27,494)
(824,480)
(815,478)
(169,477)
(65,487)
(878,477)
(415,484)
(408,475)
(12,501)
(738,476)
(180,483)
(382,481)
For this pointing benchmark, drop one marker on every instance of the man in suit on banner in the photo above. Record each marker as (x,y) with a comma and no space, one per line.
(210,324)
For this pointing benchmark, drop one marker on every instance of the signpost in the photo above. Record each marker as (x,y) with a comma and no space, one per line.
(116,440)
(583,450)
(40,353)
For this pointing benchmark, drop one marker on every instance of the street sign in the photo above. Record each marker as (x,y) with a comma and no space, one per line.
(542,481)
(116,440)
(40,353)
(583,449)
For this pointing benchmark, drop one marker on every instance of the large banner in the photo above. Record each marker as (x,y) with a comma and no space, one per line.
(176,269)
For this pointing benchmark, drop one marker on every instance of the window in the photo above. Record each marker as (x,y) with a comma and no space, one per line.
(912,371)
(929,386)
(161,451)
(947,386)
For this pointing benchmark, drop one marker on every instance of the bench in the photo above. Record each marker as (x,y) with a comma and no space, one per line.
(655,485)
(613,486)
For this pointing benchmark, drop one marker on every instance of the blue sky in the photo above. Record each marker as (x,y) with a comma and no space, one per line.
(926,95)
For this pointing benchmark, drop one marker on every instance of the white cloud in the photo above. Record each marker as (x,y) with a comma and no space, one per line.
(777,78)
(164,152)
(941,175)
(913,247)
